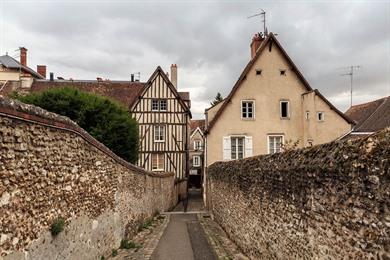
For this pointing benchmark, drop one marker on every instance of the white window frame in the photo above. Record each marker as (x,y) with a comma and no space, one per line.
(288,109)
(236,151)
(159,155)
(198,160)
(323,116)
(253,109)
(157,133)
(198,147)
(268,142)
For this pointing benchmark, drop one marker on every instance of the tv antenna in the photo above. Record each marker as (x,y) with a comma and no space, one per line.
(350,74)
(262,14)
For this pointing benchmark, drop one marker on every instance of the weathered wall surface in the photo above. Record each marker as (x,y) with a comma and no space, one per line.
(327,202)
(49,168)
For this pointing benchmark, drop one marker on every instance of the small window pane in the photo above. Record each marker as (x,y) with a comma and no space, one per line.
(247,109)
(320,116)
(163,105)
(154,105)
(275,144)
(157,162)
(159,133)
(284,109)
(237,145)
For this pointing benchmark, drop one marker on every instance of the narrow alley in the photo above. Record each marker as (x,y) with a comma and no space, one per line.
(183,235)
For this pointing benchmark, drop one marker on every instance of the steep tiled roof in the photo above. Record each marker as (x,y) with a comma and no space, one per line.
(372,116)
(125,92)
(194,124)
(11,63)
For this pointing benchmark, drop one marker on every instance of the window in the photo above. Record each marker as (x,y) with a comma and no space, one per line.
(320,116)
(159,105)
(237,145)
(275,143)
(157,162)
(247,109)
(284,109)
(282,72)
(307,115)
(258,72)
(163,105)
(197,145)
(196,161)
(154,105)
(159,133)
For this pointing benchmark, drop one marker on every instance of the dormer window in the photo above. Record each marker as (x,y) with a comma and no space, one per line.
(258,72)
(282,72)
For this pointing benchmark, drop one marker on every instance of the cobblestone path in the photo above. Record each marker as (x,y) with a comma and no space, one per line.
(179,235)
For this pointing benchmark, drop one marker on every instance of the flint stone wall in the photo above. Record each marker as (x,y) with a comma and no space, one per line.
(49,168)
(326,202)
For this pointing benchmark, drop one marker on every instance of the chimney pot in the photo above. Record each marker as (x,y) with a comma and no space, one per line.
(51,76)
(174,75)
(41,69)
(132,77)
(256,42)
(23,56)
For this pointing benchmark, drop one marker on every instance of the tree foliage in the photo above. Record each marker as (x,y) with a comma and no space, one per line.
(218,98)
(104,119)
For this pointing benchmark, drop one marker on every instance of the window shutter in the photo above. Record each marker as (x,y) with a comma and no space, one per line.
(227,148)
(248,146)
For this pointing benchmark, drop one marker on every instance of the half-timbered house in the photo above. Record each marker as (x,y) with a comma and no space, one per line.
(163,114)
(163,118)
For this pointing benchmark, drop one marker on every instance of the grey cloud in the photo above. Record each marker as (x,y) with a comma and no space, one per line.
(207,39)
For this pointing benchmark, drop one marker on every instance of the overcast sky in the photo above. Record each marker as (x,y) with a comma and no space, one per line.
(208,40)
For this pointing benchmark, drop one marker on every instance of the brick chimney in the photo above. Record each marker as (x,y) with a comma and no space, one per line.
(41,69)
(23,56)
(256,42)
(174,75)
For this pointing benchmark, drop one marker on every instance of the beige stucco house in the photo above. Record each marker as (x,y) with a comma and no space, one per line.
(17,75)
(270,107)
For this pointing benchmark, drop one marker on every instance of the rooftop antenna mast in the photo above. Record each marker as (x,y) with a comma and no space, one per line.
(351,73)
(262,14)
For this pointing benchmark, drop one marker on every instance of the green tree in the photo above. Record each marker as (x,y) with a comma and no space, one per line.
(104,119)
(218,98)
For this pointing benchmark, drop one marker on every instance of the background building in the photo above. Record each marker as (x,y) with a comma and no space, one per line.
(369,117)
(196,152)
(17,75)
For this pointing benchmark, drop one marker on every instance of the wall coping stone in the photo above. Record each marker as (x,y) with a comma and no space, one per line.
(15,109)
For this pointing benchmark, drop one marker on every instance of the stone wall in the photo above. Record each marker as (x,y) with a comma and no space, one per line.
(50,168)
(326,202)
